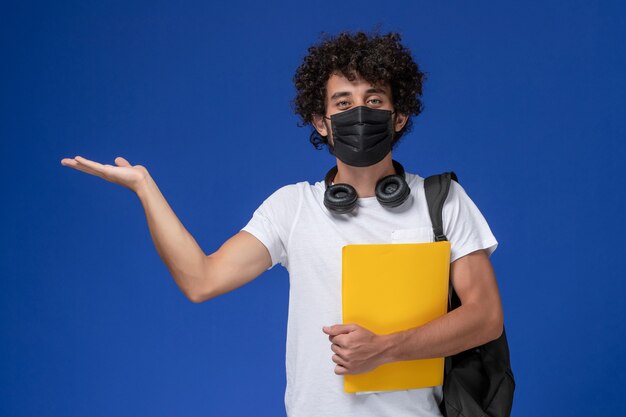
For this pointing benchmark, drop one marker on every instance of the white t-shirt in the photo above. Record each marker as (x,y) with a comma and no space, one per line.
(306,238)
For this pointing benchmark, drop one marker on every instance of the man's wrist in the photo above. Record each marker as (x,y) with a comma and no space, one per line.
(404,345)
(391,347)
(142,186)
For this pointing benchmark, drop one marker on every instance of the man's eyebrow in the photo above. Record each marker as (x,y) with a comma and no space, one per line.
(340,94)
(376,91)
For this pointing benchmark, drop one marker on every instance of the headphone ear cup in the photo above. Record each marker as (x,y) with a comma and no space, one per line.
(392,190)
(340,198)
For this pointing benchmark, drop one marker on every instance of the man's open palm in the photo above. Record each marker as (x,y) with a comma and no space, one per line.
(123,174)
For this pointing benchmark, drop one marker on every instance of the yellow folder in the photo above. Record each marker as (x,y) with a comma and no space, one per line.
(388,288)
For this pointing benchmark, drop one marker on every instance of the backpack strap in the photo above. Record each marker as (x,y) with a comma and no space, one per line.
(436,188)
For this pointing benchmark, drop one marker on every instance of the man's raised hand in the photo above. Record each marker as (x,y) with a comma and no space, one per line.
(125,174)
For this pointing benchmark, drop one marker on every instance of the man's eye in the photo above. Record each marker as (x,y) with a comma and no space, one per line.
(343,103)
(375,101)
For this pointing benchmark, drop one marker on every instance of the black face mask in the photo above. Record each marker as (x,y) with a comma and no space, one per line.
(362,136)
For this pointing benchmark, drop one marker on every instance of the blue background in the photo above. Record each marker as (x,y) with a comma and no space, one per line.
(524,101)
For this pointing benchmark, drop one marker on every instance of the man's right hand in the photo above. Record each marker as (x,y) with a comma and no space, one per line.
(239,260)
(125,174)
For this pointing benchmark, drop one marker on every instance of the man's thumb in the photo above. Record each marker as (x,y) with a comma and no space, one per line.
(121,162)
(336,329)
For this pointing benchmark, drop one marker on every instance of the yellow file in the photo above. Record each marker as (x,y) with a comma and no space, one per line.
(388,288)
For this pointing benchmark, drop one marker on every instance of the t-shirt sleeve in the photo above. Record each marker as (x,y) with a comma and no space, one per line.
(271,222)
(464,225)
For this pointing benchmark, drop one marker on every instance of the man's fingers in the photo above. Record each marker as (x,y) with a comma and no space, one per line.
(337,340)
(97,167)
(340,370)
(337,349)
(72,163)
(338,360)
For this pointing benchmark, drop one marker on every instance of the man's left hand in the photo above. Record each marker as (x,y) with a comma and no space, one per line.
(357,349)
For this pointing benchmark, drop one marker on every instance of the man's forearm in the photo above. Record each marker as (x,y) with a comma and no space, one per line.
(461,329)
(177,248)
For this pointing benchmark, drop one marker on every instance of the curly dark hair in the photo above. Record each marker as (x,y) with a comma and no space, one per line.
(379,59)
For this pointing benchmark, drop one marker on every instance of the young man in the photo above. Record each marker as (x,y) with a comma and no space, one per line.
(359,93)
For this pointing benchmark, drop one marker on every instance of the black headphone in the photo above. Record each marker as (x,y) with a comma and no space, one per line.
(391,191)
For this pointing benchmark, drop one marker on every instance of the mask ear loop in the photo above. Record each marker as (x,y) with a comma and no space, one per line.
(331,148)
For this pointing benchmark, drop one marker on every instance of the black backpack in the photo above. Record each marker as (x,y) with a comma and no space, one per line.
(477,382)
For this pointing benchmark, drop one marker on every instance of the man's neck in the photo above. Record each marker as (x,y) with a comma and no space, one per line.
(364,179)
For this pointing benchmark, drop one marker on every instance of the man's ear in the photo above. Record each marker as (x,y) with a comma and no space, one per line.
(400,121)
(319,125)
